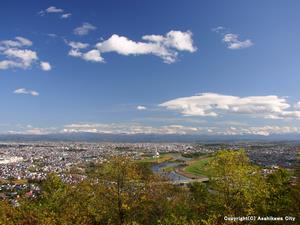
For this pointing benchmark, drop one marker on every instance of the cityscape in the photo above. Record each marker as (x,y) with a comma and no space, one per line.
(34,161)
(149,112)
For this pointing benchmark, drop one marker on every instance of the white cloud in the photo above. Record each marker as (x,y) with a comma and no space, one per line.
(181,41)
(18,42)
(53,9)
(78,45)
(75,53)
(45,66)
(6,64)
(22,58)
(136,128)
(24,41)
(93,55)
(84,29)
(116,128)
(219,29)
(297,105)
(52,35)
(262,130)
(123,46)
(24,91)
(213,104)
(233,42)
(166,47)
(17,54)
(66,15)
(30,129)
(141,107)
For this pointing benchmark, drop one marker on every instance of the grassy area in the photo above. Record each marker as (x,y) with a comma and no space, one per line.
(14,181)
(198,167)
(168,168)
(162,158)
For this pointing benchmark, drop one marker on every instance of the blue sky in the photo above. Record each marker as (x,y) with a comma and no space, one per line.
(192,67)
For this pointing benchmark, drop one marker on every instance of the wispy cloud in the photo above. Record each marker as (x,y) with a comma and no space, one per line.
(84,29)
(24,91)
(297,105)
(232,40)
(141,107)
(55,10)
(66,15)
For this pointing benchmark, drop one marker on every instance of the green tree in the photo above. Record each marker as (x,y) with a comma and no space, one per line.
(237,187)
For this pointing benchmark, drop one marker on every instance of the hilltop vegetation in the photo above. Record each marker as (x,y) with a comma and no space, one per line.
(122,191)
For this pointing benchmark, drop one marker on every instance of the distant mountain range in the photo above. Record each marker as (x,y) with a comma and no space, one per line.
(96,137)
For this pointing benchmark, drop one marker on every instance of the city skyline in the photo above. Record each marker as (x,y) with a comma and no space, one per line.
(207,68)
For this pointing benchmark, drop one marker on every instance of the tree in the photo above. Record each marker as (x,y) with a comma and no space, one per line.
(6,213)
(237,187)
(280,191)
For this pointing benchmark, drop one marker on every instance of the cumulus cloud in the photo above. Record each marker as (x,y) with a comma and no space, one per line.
(213,104)
(84,29)
(17,54)
(20,58)
(141,107)
(24,91)
(93,56)
(166,46)
(45,66)
(232,40)
(23,57)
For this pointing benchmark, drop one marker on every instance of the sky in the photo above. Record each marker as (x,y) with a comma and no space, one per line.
(164,67)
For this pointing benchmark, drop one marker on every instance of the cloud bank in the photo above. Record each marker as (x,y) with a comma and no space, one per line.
(213,105)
